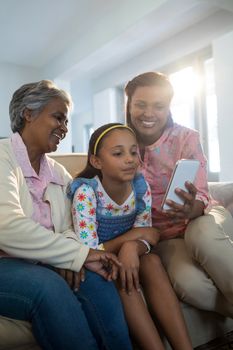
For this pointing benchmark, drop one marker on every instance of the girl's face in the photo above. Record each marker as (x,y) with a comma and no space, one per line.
(117,156)
(45,131)
(149,111)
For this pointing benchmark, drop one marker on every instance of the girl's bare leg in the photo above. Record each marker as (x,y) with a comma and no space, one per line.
(162,301)
(141,325)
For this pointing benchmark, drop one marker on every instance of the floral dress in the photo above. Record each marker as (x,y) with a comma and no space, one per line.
(84,209)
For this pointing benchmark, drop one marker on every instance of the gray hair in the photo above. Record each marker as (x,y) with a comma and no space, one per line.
(34,96)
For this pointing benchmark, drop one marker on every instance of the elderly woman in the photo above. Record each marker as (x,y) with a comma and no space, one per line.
(40,254)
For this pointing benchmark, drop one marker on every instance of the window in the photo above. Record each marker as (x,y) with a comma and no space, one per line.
(211,117)
(182,106)
(88,130)
(194,104)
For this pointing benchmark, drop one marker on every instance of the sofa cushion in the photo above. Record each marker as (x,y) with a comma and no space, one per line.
(73,162)
(17,335)
(223,193)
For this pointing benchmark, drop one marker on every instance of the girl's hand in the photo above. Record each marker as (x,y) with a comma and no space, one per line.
(129,257)
(150,234)
(103,263)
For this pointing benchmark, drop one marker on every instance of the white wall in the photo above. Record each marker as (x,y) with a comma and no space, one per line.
(105,107)
(169,51)
(93,109)
(95,99)
(66,144)
(11,78)
(82,115)
(110,20)
(223,60)
(193,39)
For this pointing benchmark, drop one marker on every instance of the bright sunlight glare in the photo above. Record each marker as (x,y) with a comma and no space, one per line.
(185,83)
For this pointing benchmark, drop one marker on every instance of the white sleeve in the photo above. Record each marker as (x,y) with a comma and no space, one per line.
(20,236)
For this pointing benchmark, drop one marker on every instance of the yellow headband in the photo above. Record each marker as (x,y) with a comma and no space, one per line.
(106,131)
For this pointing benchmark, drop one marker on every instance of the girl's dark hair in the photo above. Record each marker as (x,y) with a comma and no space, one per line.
(89,171)
(142,80)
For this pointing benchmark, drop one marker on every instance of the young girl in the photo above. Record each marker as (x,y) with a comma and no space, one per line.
(112,211)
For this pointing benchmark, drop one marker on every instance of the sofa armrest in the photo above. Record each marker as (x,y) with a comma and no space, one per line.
(223,193)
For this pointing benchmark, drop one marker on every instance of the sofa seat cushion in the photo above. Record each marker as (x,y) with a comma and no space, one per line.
(17,335)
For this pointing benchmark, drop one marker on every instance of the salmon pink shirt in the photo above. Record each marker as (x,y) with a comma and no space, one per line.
(159,160)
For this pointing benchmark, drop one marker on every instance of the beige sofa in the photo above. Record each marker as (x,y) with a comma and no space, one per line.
(203,326)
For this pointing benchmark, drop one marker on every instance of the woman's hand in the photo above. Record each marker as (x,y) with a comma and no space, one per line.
(129,257)
(191,207)
(104,263)
(72,278)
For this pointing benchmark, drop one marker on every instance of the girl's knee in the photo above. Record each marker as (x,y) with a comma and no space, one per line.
(151,261)
(151,269)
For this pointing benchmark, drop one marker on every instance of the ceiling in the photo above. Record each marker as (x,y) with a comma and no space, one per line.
(95,35)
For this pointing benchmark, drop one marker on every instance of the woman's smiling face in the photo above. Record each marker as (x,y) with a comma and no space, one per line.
(45,130)
(149,110)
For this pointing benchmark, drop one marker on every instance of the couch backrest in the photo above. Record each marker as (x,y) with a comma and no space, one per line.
(73,162)
(223,193)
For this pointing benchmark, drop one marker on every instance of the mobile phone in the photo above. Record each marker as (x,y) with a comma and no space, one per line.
(185,170)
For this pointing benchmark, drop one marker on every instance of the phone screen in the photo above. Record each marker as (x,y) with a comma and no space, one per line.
(185,170)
